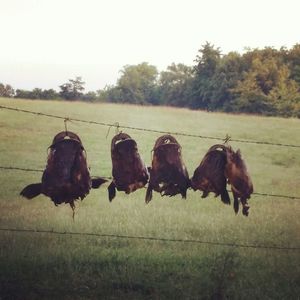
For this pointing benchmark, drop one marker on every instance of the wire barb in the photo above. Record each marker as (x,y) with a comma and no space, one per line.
(227,139)
(117,125)
(66,125)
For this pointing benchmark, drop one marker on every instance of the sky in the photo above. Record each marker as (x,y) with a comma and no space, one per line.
(44,43)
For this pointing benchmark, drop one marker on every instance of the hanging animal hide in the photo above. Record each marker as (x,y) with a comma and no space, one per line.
(66,177)
(221,165)
(168,174)
(239,179)
(210,174)
(128,170)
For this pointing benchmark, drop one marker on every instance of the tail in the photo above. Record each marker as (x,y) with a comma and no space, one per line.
(225,197)
(97,182)
(111,191)
(148,194)
(31,190)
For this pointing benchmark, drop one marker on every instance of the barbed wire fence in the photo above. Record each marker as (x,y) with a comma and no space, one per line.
(109,177)
(117,125)
(103,235)
(149,238)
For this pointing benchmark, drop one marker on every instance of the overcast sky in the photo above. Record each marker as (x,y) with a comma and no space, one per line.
(46,42)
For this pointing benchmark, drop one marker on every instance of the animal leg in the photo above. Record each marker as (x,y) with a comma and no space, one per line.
(225,197)
(235,203)
(148,194)
(97,182)
(111,191)
(183,193)
(246,207)
(73,209)
(204,194)
(31,190)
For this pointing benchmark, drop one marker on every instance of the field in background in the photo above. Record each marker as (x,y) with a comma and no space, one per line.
(49,266)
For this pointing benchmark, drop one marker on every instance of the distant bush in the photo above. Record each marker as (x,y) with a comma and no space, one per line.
(37,94)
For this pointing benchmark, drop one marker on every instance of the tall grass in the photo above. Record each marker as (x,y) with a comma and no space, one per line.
(48,266)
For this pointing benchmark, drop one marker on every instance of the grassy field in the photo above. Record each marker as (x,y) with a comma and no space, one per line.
(52,266)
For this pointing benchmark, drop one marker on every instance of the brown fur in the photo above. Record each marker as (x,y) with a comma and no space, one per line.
(209,176)
(221,164)
(66,177)
(129,171)
(168,174)
(239,179)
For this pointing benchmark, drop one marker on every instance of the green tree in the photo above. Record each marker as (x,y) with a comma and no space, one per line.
(72,90)
(226,76)
(110,93)
(266,87)
(90,96)
(37,93)
(23,94)
(248,97)
(175,85)
(207,62)
(293,61)
(6,90)
(137,84)
(49,94)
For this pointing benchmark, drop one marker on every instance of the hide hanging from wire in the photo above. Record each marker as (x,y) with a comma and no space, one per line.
(168,173)
(66,177)
(128,169)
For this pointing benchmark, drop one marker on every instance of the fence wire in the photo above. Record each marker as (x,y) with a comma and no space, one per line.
(148,238)
(104,235)
(148,130)
(117,125)
(35,170)
(109,177)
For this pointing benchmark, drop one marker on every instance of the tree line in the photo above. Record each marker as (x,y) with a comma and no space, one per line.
(261,81)
(72,90)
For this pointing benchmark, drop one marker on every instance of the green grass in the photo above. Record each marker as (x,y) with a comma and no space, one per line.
(49,266)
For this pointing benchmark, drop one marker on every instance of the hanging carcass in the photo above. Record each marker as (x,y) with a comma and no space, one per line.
(239,179)
(210,174)
(128,170)
(66,177)
(221,165)
(168,174)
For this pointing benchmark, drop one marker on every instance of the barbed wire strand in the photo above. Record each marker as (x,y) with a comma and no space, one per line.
(159,239)
(148,130)
(109,177)
(36,170)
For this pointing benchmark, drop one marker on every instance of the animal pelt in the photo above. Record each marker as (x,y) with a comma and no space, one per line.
(238,177)
(168,174)
(209,176)
(222,165)
(66,177)
(128,169)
